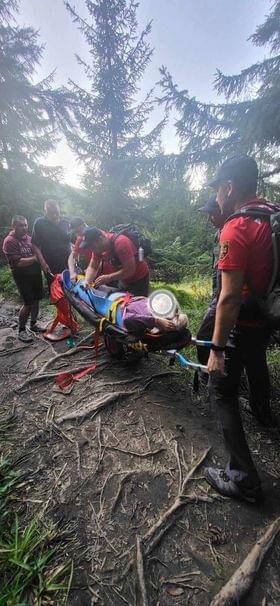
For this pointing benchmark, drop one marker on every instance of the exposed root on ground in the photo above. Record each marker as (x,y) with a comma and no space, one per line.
(93,409)
(141,573)
(241,581)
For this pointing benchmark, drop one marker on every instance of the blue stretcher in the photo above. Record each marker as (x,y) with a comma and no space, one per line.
(94,306)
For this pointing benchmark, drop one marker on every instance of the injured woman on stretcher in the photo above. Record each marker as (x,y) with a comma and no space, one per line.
(158,313)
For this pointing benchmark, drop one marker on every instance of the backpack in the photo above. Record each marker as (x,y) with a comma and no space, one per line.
(136,237)
(269,303)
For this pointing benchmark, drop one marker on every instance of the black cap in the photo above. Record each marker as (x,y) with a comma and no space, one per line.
(91,234)
(242,170)
(210,206)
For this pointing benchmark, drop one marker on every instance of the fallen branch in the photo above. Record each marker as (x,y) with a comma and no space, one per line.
(142,455)
(84,413)
(141,573)
(241,581)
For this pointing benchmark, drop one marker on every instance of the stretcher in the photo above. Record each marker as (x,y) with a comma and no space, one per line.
(103,309)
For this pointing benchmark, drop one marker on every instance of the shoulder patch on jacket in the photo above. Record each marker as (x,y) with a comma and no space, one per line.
(224,249)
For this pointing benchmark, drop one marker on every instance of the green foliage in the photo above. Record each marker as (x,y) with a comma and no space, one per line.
(193,297)
(249,123)
(7,284)
(181,235)
(30,113)
(27,569)
(111,138)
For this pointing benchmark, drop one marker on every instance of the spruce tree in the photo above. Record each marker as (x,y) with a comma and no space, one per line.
(249,120)
(111,137)
(29,113)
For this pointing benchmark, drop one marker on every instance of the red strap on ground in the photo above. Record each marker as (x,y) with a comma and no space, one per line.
(64,379)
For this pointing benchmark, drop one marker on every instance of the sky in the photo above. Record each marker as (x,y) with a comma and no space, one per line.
(191,37)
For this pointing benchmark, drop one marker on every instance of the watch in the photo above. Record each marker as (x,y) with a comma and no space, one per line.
(217,347)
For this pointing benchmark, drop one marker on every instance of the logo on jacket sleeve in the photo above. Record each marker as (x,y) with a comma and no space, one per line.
(224,249)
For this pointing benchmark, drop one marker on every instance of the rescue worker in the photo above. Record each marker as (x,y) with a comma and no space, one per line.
(115,261)
(245,263)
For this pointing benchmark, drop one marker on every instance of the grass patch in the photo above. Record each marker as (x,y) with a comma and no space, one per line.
(28,560)
(7,286)
(193,297)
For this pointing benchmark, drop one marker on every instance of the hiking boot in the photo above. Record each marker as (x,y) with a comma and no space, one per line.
(37,328)
(219,480)
(24,336)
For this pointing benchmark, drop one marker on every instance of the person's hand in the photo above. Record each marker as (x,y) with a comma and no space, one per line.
(73,277)
(46,269)
(164,324)
(102,280)
(216,363)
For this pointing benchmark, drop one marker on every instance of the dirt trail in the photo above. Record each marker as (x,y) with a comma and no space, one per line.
(108,475)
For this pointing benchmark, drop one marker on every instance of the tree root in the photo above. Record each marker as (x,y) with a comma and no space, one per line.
(128,474)
(95,408)
(51,375)
(154,535)
(240,582)
(142,455)
(141,573)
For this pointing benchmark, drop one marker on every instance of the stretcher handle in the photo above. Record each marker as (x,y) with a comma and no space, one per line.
(185,362)
(201,343)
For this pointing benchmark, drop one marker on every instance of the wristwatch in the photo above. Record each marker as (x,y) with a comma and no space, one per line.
(217,347)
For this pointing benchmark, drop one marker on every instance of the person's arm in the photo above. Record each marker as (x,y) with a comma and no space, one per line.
(226,314)
(41,259)
(127,269)
(92,269)
(72,266)
(27,261)
(12,252)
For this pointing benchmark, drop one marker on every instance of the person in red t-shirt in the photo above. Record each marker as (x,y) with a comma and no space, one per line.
(245,263)
(115,261)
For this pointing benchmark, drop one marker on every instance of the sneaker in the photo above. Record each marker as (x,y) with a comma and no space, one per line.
(24,336)
(219,480)
(37,328)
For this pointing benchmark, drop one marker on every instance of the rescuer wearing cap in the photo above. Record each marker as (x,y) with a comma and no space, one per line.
(115,262)
(245,263)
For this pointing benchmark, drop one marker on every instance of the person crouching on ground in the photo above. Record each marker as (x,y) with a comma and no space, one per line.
(27,275)
(115,261)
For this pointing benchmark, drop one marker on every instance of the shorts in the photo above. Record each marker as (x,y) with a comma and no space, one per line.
(30,287)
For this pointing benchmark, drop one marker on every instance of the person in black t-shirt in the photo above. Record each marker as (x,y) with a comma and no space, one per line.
(51,240)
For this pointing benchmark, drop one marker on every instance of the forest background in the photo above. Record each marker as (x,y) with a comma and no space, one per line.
(127,176)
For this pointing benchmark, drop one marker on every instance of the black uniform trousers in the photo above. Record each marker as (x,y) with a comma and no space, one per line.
(248,351)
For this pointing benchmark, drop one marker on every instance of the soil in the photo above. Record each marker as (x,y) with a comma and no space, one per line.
(96,476)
